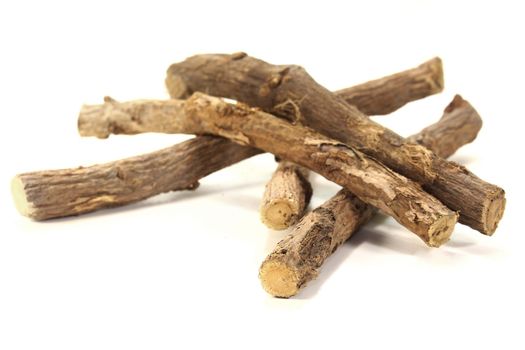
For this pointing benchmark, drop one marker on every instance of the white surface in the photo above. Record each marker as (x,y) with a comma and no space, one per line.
(180,270)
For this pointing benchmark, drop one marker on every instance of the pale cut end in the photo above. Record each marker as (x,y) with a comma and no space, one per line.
(279,279)
(494,209)
(23,206)
(278,215)
(441,230)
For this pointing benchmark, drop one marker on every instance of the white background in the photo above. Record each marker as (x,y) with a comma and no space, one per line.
(180,270)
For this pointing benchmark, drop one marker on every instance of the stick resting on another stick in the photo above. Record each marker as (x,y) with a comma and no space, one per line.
(368,179)
(287,194)
(56,193)
(297,259)
(288,91)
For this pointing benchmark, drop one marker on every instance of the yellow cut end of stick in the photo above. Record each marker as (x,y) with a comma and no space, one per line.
(19,197)
(440,232)
(279,279)
(278,215)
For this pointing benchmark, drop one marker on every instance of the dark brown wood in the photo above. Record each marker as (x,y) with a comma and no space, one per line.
(288,91)
(56,193)
(286,196)
(297,259)
(368,179)
(385,95)
(458,126)
(375,97)
(287,193)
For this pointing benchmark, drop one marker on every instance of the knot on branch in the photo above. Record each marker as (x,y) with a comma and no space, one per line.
(290,110)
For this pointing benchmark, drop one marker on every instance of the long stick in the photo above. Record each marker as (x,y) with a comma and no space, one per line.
(368,179)
(50,194)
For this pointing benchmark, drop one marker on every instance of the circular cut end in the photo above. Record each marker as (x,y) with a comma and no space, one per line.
(278,215)
(19,197)
(279,279)
(494,211)
(441,230)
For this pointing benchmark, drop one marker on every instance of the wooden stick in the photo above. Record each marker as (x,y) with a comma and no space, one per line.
(365,177)
(286,196)
(31,189)
(297,259)
(288,91)
(56,193)
(375,97)
(385,95)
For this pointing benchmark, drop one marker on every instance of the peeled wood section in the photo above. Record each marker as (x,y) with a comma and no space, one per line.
(289,91)
(297,259)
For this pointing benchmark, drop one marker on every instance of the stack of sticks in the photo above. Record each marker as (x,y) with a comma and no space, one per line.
(280,109)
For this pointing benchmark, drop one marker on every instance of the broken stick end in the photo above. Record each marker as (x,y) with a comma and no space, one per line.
(441,230)
(279,279)
(435,65)
(18,192)
(493,211)
(278,215)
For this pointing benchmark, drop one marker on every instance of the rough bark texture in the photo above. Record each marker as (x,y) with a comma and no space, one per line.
(286,196)
(288,189)
(370,180)
(458,126)
(56,193)
(375,97)
(297,259)
(288,91)
(385,95)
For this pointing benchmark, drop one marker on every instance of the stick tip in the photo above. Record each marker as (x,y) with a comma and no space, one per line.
(279,214)
(494,209)
(440,232)
(279,279)
(18,192)
(438,78)
(176,85)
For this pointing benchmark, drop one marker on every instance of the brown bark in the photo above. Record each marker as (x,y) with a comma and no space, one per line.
(385,95)
(297,259)
(287,193)
(376,97)
(365,177)
(50,194)
(286,196)
(458,126)
(288,91)
(37,188)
